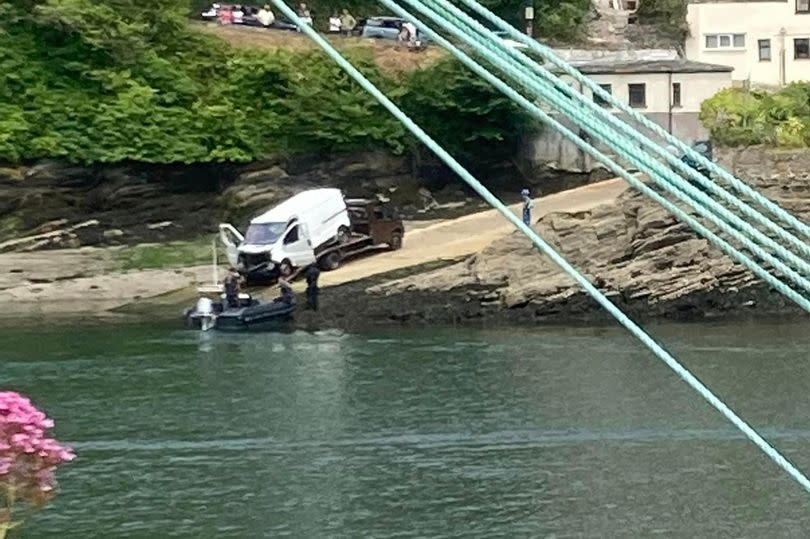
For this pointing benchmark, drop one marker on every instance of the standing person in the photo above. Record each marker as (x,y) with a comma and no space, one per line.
(225,15)
(527,207)
(312,275)
(305,14)
(232,288)
(411,29)
(266,16)
(334,24)
(238,15)
(347,23)
(287,295)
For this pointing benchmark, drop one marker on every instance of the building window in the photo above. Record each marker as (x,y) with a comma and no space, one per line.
(638,95)
(598,100)
(801,48)
(725,41)
(802,6)
(676,94)
(764,50)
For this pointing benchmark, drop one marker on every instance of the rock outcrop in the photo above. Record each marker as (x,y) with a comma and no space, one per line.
(645,260)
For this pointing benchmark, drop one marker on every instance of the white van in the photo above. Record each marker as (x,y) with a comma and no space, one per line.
(289,234)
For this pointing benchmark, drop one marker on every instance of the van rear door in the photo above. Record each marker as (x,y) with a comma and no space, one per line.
(231,238)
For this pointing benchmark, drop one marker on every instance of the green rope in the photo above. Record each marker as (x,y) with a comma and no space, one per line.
(533,69)
(683,216)
(466,29)
(549,54)
(549,251)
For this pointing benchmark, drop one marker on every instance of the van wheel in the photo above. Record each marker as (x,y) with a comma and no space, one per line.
(396,241)
(330,262)
(285,269)
(343,235)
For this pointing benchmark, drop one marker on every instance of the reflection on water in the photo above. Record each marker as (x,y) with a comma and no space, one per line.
(508,433)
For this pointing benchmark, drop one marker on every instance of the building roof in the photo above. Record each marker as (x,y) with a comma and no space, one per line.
(650,66)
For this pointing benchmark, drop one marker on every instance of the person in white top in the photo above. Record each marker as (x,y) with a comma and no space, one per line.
(304,13)
(411,29)
(334,24)
(266,16)
(238,15)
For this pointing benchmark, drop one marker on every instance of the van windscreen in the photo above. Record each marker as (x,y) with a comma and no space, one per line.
(264,233)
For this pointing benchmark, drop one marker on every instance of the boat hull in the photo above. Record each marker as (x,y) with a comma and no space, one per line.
(256,317)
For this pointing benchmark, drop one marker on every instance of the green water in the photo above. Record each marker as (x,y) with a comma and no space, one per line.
(446,433)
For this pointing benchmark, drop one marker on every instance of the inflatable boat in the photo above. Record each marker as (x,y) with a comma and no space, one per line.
(250,315)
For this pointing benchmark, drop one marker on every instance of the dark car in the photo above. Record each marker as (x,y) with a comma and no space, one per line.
(704,148)
(379,221)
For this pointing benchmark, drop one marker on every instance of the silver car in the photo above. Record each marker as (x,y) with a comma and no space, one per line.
(386,28)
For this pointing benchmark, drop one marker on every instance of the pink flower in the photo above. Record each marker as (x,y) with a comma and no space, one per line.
(28,457)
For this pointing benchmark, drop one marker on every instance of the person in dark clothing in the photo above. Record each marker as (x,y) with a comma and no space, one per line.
(312,275)
(287,295)
(232,287)
(527,207)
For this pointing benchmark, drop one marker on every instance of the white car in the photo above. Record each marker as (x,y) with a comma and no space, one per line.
(510,42)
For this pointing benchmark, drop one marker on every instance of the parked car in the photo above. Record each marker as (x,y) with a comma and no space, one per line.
(387,28)
(211,13)
(509,42)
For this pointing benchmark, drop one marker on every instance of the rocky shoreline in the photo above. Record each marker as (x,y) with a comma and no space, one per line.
(647,262)
(650,265)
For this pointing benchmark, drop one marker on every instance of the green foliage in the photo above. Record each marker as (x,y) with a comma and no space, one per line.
(115,80)
(463,112)
(173,254)
(738,118)
(669,16)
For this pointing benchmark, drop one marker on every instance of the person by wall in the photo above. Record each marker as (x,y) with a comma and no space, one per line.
(232,288)
(312,275)
(528,204)
(347,23)
(305,13)
(334,24)
(266,16)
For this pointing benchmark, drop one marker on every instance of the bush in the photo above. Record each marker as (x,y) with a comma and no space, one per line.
(115,80)
(738,118)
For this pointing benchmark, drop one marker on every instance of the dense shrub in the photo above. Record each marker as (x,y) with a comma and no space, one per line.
(737,117)
(114,80)
(667,16)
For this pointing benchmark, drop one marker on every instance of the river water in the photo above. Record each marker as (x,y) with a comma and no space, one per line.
(529,432)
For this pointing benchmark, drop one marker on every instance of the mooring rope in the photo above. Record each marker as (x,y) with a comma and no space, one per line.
(547,53)
(537,112)
(549,251)
(469,31)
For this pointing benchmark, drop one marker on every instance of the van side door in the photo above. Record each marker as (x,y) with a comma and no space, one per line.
(297,246)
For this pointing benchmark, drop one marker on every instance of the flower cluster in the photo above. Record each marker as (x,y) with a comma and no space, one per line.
(28,457)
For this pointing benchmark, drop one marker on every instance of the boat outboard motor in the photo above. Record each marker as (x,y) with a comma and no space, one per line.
(205,310)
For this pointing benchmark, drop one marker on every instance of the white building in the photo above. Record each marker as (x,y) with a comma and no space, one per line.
(668,92)
(767,42)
